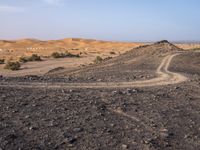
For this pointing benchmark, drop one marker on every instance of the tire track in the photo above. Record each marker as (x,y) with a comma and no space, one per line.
(164,77)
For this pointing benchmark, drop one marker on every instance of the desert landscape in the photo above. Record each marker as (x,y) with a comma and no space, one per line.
(99,75)
(88,49)
(144,97)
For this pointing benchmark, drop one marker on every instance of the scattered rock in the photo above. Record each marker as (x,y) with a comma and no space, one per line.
(117,92)
(32,128)
(112,125)
(124,146)
(70,140)
(130,91)
(164,133)
(99,80)
(114,92)
(77,129)
(71,90)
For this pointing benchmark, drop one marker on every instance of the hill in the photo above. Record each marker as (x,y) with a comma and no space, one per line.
(137,64)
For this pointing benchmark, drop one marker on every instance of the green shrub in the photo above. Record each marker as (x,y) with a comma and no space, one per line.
(2,61)
(12,65)
(98,59)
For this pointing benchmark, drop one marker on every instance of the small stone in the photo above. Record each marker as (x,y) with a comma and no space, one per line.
(164,133)
(112,125)
(32,128)
(78,130)
(27,116)
(71,90)
(134,91)
(176,88)
(129,91)
(114,92)
(124,146)
(141,76)
(70,140)
(186,136)
(34,105)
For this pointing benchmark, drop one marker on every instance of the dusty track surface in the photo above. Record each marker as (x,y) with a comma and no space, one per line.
(64,117)
(40,68)
(165,77)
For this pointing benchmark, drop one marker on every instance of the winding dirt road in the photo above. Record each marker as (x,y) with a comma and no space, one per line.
(164,77)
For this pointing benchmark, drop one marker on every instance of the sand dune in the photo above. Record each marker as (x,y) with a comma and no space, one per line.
(15,49)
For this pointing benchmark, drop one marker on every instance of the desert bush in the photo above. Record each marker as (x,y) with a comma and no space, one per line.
(107,58)
(12,65)
(67,54)
(57,55)
(196,49)
(63,55)
(33,57)
(2,61)
(23,59)
(98,59)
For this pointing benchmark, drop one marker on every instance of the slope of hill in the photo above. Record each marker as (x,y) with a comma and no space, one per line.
(138,64)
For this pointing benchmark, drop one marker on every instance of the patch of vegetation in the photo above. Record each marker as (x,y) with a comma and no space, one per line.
(23,59)
(33,57)
(98,59)
(12,65)
(2,61)
(112,53)
(63,55)
(196,49)
(107,58)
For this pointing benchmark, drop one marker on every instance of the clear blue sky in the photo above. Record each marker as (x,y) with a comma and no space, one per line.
(119,20)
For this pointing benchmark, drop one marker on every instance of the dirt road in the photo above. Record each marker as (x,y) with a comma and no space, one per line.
(164,77)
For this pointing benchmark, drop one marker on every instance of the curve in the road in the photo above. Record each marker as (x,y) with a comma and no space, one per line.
(165,77)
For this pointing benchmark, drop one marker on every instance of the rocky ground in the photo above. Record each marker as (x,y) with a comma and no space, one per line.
(155,118)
